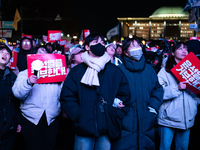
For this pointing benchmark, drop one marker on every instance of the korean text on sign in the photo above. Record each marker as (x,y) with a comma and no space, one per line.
(191,74)
(188,69)
(51,67)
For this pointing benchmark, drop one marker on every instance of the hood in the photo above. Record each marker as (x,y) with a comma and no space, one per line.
(134,66)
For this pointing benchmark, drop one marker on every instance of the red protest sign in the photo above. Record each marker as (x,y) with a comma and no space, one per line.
(188,69)
(195,38)
(52,67)
(86,33)
(13,61)
(26,35)
(63,41)
(54,35)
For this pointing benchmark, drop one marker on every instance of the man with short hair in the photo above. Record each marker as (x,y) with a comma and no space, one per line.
(80,98)
(8,103)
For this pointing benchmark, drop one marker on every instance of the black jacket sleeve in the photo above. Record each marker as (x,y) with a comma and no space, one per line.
(69,98)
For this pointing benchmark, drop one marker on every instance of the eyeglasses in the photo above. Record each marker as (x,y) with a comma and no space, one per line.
(26,43)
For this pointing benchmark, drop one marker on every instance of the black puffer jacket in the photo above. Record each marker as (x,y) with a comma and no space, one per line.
(79,101)
(138,124)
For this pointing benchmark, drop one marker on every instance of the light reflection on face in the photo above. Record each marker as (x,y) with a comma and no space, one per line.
(26,44)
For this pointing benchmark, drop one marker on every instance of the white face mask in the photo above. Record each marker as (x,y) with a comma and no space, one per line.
(136,53)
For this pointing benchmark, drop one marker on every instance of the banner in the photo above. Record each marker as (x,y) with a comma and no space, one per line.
(188,69)
(26,35)
(17,18)
(8,25)
(6,33)
(13,61)
(63,41)
(194,38)
(51,67)
(112,32)
(192,4)
(86,33)
(54,35)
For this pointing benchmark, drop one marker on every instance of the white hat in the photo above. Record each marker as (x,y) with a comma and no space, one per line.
(111,44)
(75,50)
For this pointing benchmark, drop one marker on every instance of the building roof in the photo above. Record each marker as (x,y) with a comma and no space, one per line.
(169,12)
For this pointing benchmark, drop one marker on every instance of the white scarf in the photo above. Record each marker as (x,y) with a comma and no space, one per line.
(95,65)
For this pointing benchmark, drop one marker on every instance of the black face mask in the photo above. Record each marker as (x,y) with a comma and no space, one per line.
(98,49)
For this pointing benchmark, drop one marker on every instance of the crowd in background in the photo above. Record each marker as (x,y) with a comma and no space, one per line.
(115,96)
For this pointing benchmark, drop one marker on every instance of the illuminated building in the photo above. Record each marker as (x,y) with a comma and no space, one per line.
(165,22)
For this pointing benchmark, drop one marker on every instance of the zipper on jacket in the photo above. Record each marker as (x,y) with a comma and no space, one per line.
(184,110)
(97,134)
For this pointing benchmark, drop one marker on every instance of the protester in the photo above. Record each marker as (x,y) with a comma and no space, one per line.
(146,97)
(66,124)
(9,108)
(154,57)
(34,43)
(177,113)
(82,93)
(193,46)
(50,47)
(25,48)
(110,49)
(74,57)
(40,107)
(119,51)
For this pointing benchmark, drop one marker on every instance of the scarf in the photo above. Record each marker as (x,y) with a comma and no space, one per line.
(95,65)
(134,66)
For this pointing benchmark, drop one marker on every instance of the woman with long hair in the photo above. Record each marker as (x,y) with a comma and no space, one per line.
(178,111)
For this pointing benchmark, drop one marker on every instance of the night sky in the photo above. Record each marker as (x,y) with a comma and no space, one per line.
(90,14)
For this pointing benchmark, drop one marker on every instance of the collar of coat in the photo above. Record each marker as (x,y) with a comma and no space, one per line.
(134,66)
(7,71)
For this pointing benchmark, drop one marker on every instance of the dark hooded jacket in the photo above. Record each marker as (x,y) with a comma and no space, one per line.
(138,124)
(80,101)
(9,105)
(21,56)
(193,46)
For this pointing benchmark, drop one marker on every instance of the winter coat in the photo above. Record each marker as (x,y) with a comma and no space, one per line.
(117,61)
(9,105)
(138,124)
(37,98)
(80,102)
(179,107)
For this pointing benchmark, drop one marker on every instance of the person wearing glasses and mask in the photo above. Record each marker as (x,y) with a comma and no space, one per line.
(146,97)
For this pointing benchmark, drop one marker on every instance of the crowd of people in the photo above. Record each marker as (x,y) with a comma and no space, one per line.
(115,96)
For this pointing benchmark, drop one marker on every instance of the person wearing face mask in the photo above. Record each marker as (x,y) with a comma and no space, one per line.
(146,97)
(80,96)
